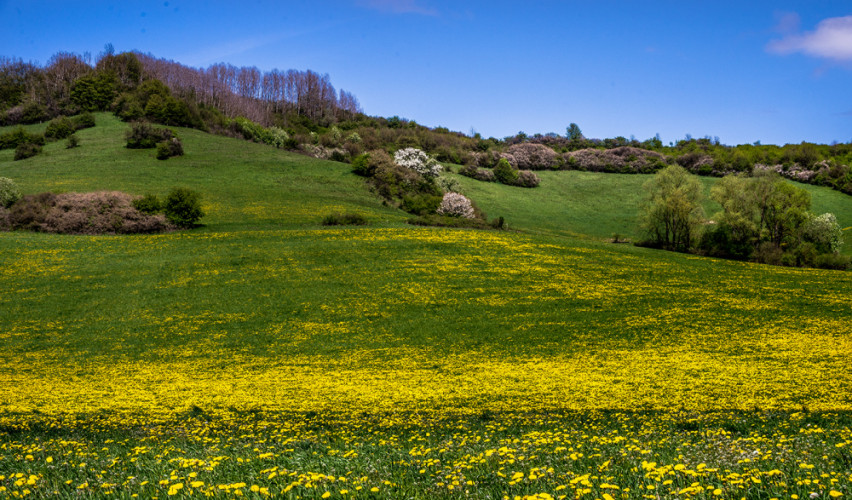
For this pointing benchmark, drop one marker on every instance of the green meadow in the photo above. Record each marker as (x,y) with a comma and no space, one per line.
(265,355)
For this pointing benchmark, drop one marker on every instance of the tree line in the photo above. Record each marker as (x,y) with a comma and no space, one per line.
(70,83)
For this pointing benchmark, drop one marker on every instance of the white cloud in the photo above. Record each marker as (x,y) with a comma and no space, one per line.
(832,39)
(398,7)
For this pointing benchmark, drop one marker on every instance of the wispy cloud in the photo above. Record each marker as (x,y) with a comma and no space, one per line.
(223,51)
(832,39)
(398,7)
(787,23)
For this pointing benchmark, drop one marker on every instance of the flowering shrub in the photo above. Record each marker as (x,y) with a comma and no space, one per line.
(324,153)
(529,156)
(620,160)
(103,212)
(794,172)
(415,159)
(527,178)
(824,232)
(9,192)
(486,159)
(456,205)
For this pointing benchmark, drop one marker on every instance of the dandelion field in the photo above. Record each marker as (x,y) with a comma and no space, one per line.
(266,356)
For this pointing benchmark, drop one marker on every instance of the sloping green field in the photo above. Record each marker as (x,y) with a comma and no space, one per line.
(264,354)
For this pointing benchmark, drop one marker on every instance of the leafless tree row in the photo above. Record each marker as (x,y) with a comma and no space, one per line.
(249,92)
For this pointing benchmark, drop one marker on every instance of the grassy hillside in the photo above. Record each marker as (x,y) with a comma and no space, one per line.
(244,185)
(594,205)
(266,352)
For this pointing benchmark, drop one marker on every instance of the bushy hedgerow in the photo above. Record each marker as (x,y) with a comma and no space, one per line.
(182,207)
(143,135)
(169,148)
(625,160)
(103,212)
(18,136)
(344,219)
(9,192)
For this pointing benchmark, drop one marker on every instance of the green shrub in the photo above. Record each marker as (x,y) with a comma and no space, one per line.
(149,204)
(26,150)
(169,148)
(72,142)
(833,261)
(83,120)
(346,219)
(143,135)
(9,192)
(59,128)
(421,203)
(183,207)
(361,165)
(504,173)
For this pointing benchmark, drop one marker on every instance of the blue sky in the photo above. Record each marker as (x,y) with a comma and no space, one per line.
(751,70)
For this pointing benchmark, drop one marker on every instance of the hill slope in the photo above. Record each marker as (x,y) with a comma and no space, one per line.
(263,294)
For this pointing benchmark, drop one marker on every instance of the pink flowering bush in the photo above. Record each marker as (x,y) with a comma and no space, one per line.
(456,205)
(529,156)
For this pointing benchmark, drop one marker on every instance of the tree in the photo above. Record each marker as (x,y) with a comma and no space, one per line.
(573,132)
(740,215)
(671,214)
(785,211)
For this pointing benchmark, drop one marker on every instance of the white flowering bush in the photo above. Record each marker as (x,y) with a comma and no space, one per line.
(824,232)
(418,161)
(456,205)
(9,192)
